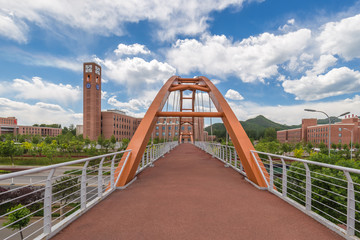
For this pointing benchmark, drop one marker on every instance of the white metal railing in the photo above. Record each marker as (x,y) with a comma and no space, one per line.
(153,153)
(328,193)
(225,153)
(55,195)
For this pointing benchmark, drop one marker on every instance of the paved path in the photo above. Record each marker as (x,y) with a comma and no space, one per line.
(189,195)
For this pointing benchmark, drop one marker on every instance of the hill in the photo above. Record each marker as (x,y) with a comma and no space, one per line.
(255,127)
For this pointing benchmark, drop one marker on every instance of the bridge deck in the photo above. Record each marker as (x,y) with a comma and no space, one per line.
(189,195)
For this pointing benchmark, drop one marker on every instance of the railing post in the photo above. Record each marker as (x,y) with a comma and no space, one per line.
(308,187)
(284,178)
(143,161)
(112,173)
(151,160)
(235,159)
(226,156)
(100,176)
(122,168)
(350,223)
(240,165)
(48,202)
(83,186)
(271,185)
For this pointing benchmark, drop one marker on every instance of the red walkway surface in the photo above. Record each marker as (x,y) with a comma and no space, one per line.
(189,195)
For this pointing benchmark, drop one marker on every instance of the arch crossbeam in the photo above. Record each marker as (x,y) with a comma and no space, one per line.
(238,136)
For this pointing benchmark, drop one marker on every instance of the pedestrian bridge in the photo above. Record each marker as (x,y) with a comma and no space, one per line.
(199,190)
(191,195)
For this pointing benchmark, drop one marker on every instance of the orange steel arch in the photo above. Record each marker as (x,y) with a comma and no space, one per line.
(238,136)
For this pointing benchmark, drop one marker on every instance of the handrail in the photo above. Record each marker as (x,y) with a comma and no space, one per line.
(45,168)
(330,197)
(74,192)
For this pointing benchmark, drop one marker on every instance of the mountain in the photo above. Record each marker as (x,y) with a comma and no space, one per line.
(254,127)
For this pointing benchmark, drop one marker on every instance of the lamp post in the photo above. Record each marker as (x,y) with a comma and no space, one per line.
(329,141)
(351,140)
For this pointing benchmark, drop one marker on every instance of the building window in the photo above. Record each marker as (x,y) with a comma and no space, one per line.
(163,128)
(339,134)
(189,128)
(157,128)
(176,127)
(157,133)
(339,129)
(182,128)
(339,140)
(169,133)
(163,133)
(169,127)
(176,134)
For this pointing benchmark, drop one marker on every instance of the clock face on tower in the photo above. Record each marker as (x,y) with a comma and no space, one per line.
(88,85)
(97,70)
(88,68)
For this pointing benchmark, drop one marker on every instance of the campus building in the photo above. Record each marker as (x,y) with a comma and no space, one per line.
(310,131)
(9,125)
(169,128)
(116,122)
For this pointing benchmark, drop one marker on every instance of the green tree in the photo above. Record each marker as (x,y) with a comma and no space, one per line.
(50,150)
(339,145)
(36,139)
(298,152)
(270,134)
(87,141)
(323,148)
(269,147)
(27,146)
(10,149)
(309,147)
(18,219)
(101,140)
(125,142)
(333,146)
(357,145)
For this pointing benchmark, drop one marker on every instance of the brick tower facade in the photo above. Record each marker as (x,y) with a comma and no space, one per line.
(92,100)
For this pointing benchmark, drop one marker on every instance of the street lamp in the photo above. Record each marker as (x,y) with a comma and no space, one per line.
(351,140)
(329,141)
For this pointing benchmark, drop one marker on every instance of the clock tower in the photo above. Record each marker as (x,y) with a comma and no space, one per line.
(92,100)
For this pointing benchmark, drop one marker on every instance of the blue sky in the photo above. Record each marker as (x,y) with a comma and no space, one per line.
(271,57)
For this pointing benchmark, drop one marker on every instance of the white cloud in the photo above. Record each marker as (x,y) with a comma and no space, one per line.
(336,82)
(44,91)
(252,59)
(136,73)
(104,94)
(288,25)
(233,95)
(133,49)
(292,114)
(109,17)
(342,38)
(28,114)
(12,28)
(135,106)
(45,60)
(322,64)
